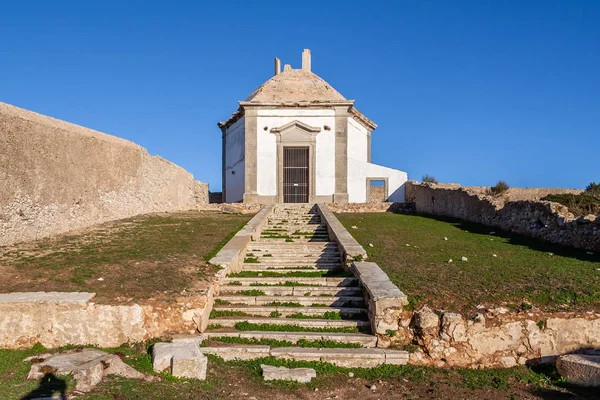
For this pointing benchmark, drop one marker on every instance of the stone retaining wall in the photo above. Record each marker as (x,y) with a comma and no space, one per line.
(497,338)
(56,177)
(60,319)
(540,219)
(369,207)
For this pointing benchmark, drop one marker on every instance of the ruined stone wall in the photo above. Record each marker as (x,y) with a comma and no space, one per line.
(497,338)
(59,319)
(56,176)
(519,211)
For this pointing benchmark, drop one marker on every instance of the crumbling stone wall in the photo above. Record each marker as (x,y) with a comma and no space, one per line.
(56,176)
(497,338)
(532,217)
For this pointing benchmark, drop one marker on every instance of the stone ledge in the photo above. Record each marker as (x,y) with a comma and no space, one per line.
(580,369)
(349,248)
(46,297)
(384,300)
(232,254)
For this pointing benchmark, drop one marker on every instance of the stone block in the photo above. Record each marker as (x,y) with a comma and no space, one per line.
(580,369)
(182,359)
(302,375)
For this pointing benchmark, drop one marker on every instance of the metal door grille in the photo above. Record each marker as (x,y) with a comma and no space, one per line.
(295,175)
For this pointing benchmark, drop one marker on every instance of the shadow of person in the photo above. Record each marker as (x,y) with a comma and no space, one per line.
(49,385)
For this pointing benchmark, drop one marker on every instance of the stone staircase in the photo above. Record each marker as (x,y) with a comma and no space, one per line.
(293,299)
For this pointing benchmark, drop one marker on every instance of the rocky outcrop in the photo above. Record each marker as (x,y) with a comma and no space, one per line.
(56,177)
(545,220)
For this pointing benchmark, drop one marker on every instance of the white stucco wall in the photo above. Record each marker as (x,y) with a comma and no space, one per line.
(359,169)
(267,148)
(234,161)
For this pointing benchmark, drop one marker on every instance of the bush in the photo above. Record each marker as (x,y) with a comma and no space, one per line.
(429,179)
(593,189)
(500,188)
(578,204)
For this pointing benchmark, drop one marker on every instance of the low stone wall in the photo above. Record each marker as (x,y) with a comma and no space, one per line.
(59,319)
(349,248)
(545,220)
(498,338)
(384,300)
(56,177)
(369,207)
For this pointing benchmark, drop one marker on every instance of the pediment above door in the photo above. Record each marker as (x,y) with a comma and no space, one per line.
(296,131)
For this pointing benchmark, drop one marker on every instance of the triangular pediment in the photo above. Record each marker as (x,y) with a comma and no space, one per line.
(297,125)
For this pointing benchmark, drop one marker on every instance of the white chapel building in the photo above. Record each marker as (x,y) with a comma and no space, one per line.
(296,139)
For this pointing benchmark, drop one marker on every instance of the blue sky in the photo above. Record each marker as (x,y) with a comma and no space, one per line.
(467,91)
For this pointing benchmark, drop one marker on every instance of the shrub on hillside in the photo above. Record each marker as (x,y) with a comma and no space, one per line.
(499,188)
(429,179)
(593,189)
(578,204)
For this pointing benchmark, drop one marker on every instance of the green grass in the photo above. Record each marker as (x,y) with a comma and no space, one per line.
(548,276)
(275,314)
(220,302)
(286,283)
(248,326)
(282,343)
(331,315)
(251,260)
(252,292)
(227,313)
(283,304)
(426,382)
(148,256)
(293,274)
(214,326)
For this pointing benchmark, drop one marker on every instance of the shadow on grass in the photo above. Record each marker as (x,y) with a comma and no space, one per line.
(517,239)
(49,385)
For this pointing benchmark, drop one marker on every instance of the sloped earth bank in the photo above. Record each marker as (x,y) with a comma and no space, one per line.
(242,380)
(145,258)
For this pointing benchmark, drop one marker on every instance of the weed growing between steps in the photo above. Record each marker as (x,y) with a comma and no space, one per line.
(252,292)
(226,313)
(283,304)
(251,260)
(248,326)
(220,302)
(286,283)
(330,315)
(320,344)
(292,274)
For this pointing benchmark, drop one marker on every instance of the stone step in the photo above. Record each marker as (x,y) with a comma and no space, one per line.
(286,270)
(332,282)
(295,266)
(342,357)
(295,240)
(297,260)
(265,311)
(294,290)
(293,337)
(328,301)
(288,227)
(230,322)
(288,253)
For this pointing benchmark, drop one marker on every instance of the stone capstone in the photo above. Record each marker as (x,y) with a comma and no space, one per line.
(88,367)
(302,375)
(182,359)
(580,369)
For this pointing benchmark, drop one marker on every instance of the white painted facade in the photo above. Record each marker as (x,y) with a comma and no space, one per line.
(267,148)
(296,108)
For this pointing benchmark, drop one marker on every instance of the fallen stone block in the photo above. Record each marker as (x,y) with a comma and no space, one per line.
(580,369)
(181,359)
(302,375)
(88,367)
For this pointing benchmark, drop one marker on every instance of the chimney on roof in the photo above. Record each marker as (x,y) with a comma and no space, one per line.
(306,60)
(287,67)
(277,66)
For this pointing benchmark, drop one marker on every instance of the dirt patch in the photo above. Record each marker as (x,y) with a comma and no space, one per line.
(153,256)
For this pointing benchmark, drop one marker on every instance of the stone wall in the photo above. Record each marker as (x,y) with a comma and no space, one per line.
(59,319)
(56,176)
(497,338)
(369,207)
(519,210)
